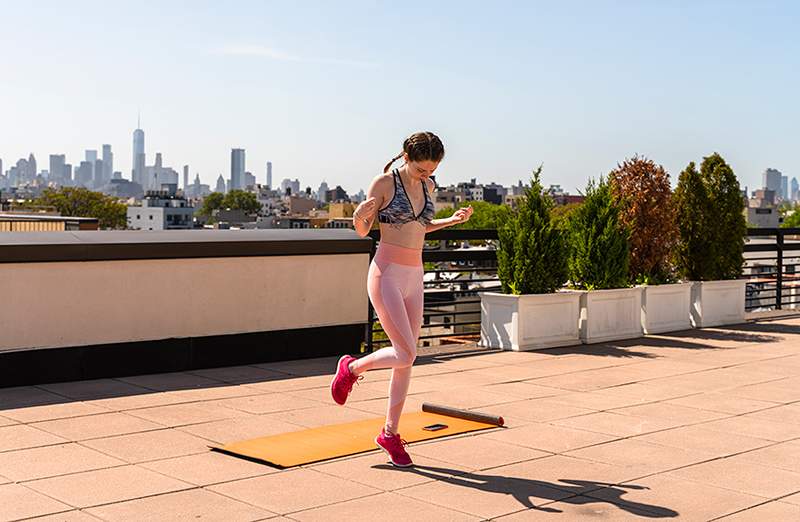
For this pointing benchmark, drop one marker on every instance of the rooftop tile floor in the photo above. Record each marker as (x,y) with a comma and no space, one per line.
(697,425)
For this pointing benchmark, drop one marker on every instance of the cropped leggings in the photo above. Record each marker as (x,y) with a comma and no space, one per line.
(394,285)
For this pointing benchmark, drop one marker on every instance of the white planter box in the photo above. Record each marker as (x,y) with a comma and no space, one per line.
(529,321)
(665,308)
(611,315)
(716,303)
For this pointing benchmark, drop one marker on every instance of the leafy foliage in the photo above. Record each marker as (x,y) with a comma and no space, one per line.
(599,242)
(711,222)
(233,200)
(530,257)
(642,190)
(793,220)
(82,202)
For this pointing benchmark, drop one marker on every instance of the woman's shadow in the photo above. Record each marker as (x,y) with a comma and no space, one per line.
(566,490)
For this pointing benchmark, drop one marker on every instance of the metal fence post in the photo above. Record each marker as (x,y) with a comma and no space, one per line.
(779,280)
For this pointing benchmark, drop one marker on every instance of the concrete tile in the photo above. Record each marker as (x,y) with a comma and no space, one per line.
(210,393)
(769,511)
(721,402)
(571,475)
(362,391)
(548,437)
(293,490)
(374,469)
(288,383)
(93,389)
(646,392)
(785,455)
(578,508)
(67,516)
(232,430)
(274,402)
(393,507)
(524,390)
(670,412)
(778,391)
(792,499)
(21,436)
(105,486)
(595,379)
(597,400)
(537,410)
(52,411)
(665,496)
(151,445)
(378,407)
(739,474)
(485,494)
(567,364)
(5,421)
(20,502)
(174,415)
(616,424)
(469,378)
(500,374)
(182,505)
(701,439)
(97,426)
(171,381)
(476,452)
(320,416)
(208,468)
(754,427)
(26,396)
(60,459)
(786,413)
(238,374)
(635,453)
(136,401)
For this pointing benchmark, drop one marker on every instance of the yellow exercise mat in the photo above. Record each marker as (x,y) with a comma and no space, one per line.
(338,440)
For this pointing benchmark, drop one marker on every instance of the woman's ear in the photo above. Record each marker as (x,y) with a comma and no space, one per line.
(405,157)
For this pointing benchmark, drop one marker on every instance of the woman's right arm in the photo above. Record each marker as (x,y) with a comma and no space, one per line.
(364,214)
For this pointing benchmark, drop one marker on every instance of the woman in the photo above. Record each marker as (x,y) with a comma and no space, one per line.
(394,280)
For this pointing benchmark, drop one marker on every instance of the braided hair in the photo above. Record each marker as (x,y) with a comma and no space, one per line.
(420,146)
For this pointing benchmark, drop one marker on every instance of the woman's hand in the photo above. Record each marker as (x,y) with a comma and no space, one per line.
(461,215)
(365,210)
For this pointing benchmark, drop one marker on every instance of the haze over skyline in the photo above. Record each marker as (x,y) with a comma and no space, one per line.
(329,91)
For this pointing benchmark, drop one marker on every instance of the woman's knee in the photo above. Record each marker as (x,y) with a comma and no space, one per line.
(406,357)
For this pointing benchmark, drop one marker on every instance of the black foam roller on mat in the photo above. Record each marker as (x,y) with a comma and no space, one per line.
(462,414)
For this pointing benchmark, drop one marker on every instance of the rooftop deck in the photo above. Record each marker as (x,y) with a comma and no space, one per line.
(697,425)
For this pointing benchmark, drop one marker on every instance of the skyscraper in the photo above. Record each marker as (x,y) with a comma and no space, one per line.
(772,180)
(57,162)
(785,187)
(185,177)
(108,163)
(97,181)
(220,185)
(269,175)
(237,169)
(91,157)
(137,174)
(795,195)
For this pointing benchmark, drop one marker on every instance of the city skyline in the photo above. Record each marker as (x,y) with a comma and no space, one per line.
(577,87)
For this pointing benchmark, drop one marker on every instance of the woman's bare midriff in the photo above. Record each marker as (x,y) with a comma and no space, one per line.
(409,235)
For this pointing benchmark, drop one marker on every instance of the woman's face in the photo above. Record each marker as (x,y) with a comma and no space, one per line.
(420,169)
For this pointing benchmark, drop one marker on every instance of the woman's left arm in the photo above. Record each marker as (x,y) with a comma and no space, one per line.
(459,216)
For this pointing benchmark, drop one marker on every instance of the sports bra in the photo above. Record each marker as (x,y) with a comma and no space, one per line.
(399,210)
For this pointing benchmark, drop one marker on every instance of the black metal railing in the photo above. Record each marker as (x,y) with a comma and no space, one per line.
(772,257)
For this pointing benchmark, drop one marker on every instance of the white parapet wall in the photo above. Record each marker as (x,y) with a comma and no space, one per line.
(81,303)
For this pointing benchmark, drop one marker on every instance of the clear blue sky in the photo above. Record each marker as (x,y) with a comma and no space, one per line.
(328,90)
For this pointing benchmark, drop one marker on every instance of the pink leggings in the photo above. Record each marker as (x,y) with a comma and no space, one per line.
(394,285)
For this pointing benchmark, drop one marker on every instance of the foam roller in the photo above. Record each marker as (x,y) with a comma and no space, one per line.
(462,414)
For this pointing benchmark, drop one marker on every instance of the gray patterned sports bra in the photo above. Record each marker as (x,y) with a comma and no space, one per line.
(399,211)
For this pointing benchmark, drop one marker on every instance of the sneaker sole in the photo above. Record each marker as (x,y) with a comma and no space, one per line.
(338,364)
(390,457)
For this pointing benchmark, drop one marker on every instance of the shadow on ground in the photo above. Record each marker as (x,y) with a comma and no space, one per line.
(570,491)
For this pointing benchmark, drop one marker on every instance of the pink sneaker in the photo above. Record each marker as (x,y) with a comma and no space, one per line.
(393,446)
(342,382)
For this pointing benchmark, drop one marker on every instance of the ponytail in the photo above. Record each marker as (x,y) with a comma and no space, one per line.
(388,165)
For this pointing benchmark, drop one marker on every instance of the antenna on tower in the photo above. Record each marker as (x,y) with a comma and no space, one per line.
(139,120)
